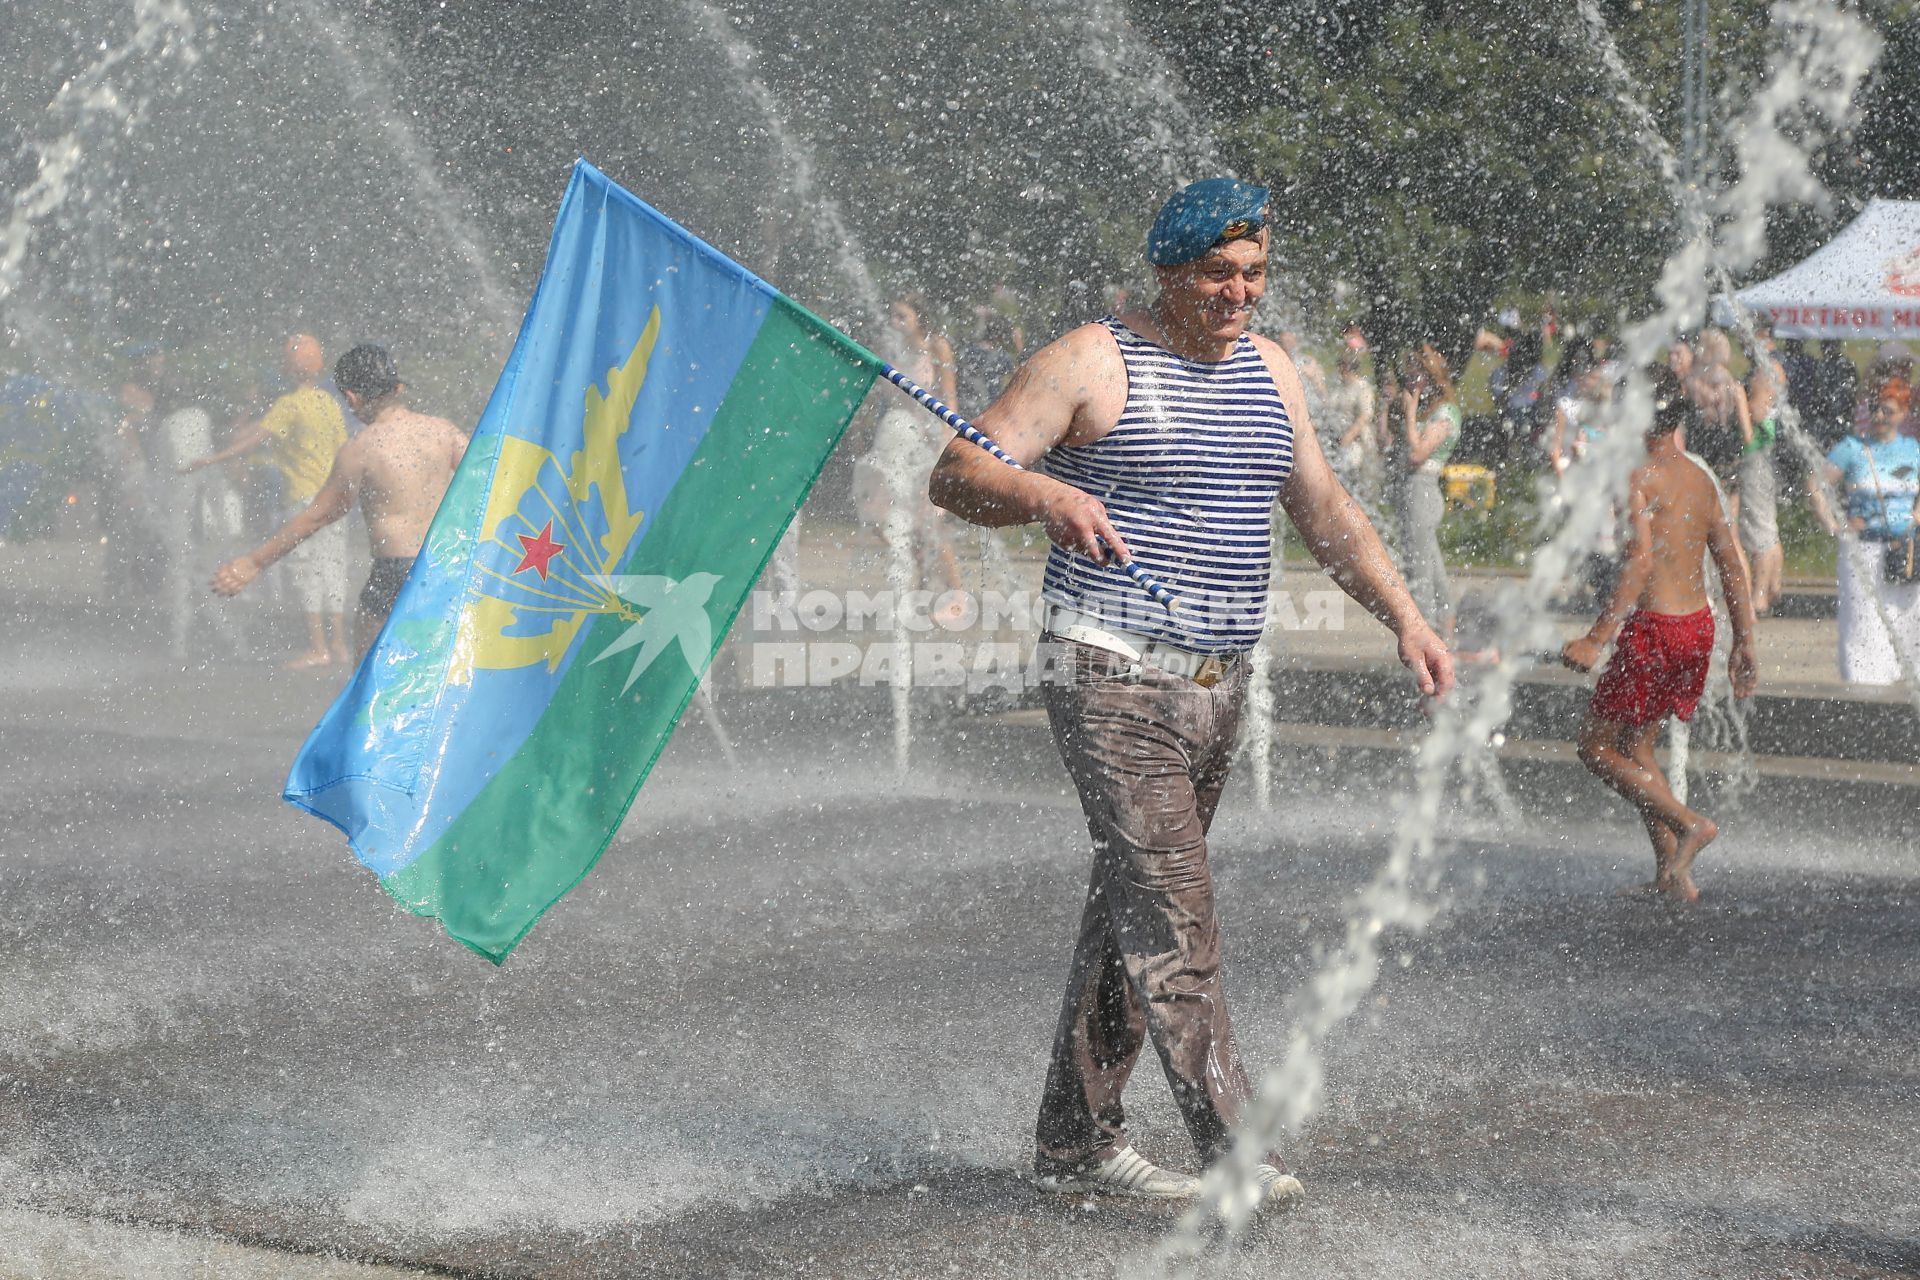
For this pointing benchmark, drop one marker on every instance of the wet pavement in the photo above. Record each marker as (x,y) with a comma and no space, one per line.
(795,1022)
(93,1248)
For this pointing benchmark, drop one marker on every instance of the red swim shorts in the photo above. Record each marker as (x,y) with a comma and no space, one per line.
(1659,668)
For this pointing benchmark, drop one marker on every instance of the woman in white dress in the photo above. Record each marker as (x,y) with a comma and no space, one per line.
(1352,427)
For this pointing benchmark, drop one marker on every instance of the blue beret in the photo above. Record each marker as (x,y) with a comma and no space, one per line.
(1200,214)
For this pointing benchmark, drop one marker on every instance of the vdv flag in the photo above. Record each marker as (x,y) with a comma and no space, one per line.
(661,418)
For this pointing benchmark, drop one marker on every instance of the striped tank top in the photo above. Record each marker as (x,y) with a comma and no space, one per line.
(1189,476)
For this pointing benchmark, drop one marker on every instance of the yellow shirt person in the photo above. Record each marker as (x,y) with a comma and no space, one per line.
(306,430)
(301,433)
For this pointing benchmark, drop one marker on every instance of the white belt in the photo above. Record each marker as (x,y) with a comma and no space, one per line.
(1204,669)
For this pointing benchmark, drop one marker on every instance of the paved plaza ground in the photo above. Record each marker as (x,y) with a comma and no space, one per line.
(796,1021)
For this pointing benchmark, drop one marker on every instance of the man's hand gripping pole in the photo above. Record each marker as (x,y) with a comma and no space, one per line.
(972,434)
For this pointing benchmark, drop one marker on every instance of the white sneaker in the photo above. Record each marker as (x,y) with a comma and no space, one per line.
(1127,1174)
(1278,1191)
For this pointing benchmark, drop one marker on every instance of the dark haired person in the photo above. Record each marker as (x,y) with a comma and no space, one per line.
(1664,624)
(1518,386)
(1163,435)
(983,365)
(1831,418)
(905,442)
(398,468)
(132,515)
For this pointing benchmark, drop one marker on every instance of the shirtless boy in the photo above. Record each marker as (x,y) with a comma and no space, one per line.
(398,468)
(1659,666)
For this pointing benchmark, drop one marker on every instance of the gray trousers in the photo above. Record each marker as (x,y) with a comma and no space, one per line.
(1149,753)
(1421,508)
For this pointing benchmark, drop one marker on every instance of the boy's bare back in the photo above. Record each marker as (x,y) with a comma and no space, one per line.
(1677,511)
(400,468)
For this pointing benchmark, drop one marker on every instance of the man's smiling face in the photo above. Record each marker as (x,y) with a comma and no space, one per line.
(1214,296)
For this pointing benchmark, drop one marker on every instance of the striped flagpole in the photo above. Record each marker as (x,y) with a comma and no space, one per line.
(972,434)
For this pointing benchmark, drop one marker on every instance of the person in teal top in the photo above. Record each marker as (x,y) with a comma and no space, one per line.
(1429,433)
(1879,482)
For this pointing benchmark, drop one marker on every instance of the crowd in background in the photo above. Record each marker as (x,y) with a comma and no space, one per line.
(1393,425)
(187,476)
(1550,392)
(1396,430)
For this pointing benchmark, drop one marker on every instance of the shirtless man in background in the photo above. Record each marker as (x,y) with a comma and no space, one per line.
(398,468)
(1659,666)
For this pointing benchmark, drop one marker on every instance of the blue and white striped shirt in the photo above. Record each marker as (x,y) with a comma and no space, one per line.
(1189,476)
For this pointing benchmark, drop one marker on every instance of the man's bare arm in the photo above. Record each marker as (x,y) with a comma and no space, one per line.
(1636,569)
(1035,413)
(1345,543)
(333,501)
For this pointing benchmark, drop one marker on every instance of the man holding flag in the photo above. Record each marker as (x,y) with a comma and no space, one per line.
(1167,436)
(660,420)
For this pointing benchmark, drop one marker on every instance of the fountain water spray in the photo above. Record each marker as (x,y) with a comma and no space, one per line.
(90,103)
(368,90)
(900,474)
(1825,54)
(800,163)
(1177,139)
(1256,745)
(1765,143)
(162,29)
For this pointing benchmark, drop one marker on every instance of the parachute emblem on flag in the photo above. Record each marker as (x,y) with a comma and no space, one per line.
(554,537)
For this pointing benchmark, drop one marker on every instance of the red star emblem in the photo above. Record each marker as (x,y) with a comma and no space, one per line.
(539,551)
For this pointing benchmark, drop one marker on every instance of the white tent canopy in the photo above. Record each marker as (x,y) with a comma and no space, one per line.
(1864,283)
